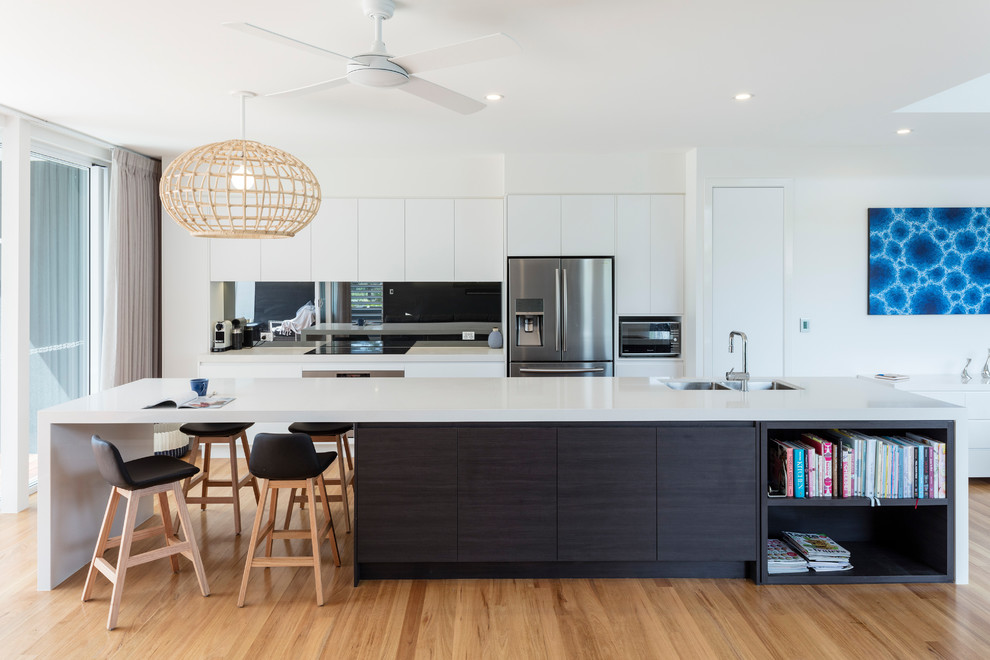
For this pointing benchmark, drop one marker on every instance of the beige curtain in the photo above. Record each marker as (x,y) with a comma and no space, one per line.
(132,272)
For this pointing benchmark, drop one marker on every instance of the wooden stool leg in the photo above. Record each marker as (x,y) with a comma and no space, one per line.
(247,459)
(256,528)
(183,512)
(270,525)
(167,528)
(332,533)
(314,533)
(343,480)
(288,511)
(130,518)
(101,542)
(206,472)
(235,483)
(187,482)
(347,451)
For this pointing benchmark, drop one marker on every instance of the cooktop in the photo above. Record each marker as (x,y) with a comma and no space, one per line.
(360,348)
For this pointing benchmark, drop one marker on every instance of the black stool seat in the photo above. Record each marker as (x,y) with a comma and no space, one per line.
(320,428)
(287,456)
(215,429)
(139,473)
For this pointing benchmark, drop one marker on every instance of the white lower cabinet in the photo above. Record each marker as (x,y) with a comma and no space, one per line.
(977,406)
(454,369)
(649,367)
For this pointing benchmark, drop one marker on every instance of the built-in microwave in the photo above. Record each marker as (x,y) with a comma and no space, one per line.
(649,336)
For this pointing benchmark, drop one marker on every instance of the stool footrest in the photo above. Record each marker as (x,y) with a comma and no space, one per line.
(264,562)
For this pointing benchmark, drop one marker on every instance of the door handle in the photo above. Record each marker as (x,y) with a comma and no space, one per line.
(590,370)
(556,293)
(563,324)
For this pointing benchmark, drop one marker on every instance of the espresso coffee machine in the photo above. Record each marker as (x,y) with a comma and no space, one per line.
(223,336)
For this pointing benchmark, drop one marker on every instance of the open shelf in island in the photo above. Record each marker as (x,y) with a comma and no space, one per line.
(889,540)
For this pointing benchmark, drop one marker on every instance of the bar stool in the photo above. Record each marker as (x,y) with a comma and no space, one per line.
(151,475)
(289,460)
(207,434)
(326,432)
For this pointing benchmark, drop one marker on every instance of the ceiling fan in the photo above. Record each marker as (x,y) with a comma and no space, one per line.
(377,68)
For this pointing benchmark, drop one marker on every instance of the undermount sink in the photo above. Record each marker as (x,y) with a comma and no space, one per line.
(754,385)
(694,385)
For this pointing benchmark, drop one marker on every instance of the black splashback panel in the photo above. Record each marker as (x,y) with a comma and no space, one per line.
(440,302)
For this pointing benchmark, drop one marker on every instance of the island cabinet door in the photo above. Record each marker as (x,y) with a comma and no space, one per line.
(506,494)
(607,494)
(407,500)
(707,494)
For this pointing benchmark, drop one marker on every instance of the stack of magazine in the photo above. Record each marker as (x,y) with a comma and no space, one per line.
(822,553)
(782,558)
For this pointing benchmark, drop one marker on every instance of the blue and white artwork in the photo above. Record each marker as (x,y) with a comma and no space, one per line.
(929,261)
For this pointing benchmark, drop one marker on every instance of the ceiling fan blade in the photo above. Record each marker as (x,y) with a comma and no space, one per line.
(256,31)
(448,98)
(466,52)
(309,89)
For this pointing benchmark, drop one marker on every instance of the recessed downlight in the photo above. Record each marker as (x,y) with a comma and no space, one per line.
(743,96)
(493,97)
(903,131)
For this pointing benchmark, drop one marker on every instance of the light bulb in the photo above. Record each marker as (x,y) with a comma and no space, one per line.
(241,179)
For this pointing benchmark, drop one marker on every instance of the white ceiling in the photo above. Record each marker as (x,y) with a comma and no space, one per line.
(593,76)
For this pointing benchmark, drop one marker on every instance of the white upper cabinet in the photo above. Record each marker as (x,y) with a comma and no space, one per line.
(632,254)
(235,259)
(587,225)
(533,225)
(287,259)
(666,254)
(381,240)
(429,245)
(478,242)
(649,255)
(334,241)
(554,225)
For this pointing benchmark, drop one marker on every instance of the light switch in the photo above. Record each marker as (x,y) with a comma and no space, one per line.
(805,325)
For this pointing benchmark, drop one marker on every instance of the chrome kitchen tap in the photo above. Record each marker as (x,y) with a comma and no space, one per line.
(732,374)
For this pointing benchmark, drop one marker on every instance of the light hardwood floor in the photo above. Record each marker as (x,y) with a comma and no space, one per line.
(163,615)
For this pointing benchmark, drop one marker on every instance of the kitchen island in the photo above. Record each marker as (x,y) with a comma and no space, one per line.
(507,424)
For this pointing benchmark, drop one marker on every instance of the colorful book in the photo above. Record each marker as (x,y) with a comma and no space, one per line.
(798,456)
(816,547)
(782,558)
(823,448)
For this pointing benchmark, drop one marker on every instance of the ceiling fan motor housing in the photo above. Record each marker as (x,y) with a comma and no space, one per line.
(375,71)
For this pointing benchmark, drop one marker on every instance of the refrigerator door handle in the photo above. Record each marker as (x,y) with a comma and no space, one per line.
(556,290)
(563,323)
(591,370)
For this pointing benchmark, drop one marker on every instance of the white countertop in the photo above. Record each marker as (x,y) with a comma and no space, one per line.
(938,382)
(422,351)
(442,400)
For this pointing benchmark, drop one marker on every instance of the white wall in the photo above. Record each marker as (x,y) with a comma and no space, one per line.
(548,174)
(832,190)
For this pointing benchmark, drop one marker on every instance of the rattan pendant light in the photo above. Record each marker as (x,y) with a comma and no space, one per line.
(240,189)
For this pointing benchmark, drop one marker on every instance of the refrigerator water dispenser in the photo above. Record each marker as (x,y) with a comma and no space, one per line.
(529,322)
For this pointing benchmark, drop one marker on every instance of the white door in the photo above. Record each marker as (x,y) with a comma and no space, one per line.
(748,278)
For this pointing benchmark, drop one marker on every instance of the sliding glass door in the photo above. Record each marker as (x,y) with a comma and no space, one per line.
(60,287)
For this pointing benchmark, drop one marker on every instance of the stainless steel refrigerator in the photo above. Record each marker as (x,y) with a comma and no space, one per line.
(560,316)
